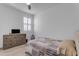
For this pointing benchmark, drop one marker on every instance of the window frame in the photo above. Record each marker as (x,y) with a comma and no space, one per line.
(27,24)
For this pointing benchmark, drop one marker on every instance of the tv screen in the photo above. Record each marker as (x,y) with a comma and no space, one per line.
(15,30)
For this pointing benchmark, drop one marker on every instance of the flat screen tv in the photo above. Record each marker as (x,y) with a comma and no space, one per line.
(15,31)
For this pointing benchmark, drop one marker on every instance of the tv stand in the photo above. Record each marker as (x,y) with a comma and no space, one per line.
(13,40)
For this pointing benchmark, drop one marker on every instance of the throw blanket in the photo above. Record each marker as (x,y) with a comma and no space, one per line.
(67,48)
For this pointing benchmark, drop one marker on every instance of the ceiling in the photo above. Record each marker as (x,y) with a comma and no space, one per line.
(36,7)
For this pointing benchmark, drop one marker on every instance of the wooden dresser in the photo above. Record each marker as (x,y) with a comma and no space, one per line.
(12,40)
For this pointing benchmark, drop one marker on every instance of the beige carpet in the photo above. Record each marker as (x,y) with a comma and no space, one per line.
(15,51)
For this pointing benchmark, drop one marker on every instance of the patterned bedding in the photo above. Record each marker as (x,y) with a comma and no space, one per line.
(43,47)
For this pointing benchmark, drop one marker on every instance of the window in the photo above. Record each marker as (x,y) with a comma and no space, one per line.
(27,24)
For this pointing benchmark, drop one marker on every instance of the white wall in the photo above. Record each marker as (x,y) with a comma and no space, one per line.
(59,22)
(10,18)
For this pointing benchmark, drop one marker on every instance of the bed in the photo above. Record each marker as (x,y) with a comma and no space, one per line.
(44,47)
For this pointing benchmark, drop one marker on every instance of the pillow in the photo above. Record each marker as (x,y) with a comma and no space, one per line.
(41,39)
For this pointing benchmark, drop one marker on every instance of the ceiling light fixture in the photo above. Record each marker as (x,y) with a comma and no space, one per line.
(29,6)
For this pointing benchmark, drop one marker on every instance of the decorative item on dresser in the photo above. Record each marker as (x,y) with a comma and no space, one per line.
(12,40)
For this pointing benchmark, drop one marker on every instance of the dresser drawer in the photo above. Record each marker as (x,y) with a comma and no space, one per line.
(13,40)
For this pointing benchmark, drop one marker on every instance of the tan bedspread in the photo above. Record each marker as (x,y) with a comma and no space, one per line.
(67,48)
